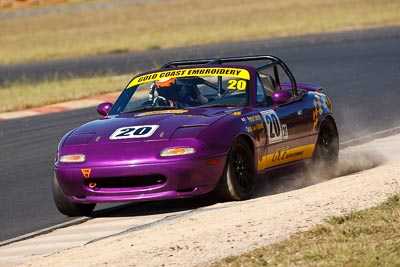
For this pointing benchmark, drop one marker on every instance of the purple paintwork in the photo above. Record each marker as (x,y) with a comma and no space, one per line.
(104,108)
(304,86)
(281,97)
(141,157)
(309,87)
(122,149)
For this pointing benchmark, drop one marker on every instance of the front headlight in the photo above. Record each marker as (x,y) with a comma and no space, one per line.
(177,151)
(73,158)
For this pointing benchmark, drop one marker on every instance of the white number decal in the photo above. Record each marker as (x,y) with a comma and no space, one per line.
(274,127)
(141,131)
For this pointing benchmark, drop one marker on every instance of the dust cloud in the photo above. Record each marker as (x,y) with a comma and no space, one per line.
(351,160)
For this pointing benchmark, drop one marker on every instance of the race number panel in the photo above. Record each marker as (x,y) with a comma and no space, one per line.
(274,127)
(140,131)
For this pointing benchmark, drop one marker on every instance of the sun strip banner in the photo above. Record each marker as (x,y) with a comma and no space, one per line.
(229,72)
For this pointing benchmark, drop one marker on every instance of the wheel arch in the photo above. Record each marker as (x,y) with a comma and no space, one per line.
(230,185)
(250,143)
(329,118)
(326,146)
(248,140)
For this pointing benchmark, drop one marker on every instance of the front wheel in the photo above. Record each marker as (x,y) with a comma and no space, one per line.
(238,180)
(67,207)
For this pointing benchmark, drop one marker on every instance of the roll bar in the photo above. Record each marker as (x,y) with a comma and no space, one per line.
(266,61)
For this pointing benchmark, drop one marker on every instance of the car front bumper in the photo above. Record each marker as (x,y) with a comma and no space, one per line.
(151,181)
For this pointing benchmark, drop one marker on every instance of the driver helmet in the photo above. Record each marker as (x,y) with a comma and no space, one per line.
(165,89)
(166,82)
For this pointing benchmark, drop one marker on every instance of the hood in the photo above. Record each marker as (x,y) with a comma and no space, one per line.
(147,126)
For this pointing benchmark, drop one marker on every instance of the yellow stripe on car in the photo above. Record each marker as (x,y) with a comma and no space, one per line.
(228,72)
(285,155)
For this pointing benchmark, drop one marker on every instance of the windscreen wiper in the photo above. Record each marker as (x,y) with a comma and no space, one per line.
(148,108)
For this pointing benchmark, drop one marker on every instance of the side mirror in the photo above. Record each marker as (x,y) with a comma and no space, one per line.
(281,97)
(104,108)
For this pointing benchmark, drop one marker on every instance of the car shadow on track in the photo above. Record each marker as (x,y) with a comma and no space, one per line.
(156,207)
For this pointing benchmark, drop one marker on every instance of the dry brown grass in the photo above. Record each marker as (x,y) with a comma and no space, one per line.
(163,25)
(15,4)
(181,23)
(365,238)
(27,95)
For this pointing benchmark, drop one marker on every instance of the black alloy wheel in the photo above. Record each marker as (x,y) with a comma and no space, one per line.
(238,180)
(327,148)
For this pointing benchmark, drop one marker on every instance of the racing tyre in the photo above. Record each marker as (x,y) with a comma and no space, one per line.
(238,180)
(67,207)
(327,148)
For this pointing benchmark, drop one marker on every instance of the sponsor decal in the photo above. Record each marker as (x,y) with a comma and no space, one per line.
(285,131)
(86,173)
(251,119)
(140,131)
(285,155)
(255,127)
(254,118)
(228,72)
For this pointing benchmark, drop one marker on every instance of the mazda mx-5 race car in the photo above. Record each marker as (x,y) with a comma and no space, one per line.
(192,127)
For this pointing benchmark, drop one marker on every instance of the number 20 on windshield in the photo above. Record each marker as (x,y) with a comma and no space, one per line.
(237,85)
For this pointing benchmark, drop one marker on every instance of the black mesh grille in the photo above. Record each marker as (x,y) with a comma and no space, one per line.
(126,182)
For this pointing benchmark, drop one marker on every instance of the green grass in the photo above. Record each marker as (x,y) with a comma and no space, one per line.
(365,238)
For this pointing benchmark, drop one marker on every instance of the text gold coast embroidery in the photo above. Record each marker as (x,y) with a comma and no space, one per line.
(231,72)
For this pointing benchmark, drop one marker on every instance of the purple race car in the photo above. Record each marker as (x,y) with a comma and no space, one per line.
(191,127)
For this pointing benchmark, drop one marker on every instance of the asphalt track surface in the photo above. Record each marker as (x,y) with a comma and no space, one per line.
(359,70)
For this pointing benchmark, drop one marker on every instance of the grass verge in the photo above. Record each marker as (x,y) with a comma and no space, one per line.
(365,238)
(176,23)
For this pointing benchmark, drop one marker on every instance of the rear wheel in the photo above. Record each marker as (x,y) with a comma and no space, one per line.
(67,207)
(327,147)
(238,180)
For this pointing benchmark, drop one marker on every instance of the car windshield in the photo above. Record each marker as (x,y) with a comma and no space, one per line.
(185,88)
